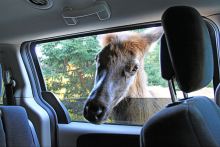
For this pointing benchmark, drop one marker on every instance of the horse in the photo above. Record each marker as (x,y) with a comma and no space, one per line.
(120,76)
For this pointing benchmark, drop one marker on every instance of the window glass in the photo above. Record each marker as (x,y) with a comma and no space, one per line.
(2,93)
(69,72)
(207,91)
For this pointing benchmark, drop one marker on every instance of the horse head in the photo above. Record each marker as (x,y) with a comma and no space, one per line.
(118,65)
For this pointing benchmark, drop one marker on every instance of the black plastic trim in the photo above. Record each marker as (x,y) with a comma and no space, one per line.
(108,140)
(61,111)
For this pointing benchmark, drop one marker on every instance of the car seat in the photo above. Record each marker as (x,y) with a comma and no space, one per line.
(186,56)
(15,128)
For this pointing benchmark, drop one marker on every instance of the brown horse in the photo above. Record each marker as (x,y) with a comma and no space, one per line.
(120,73)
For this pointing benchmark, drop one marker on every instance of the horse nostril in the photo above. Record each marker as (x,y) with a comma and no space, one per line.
(93,112)
(99,112)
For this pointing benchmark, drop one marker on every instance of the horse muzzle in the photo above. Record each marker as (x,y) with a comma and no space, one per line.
(95,112)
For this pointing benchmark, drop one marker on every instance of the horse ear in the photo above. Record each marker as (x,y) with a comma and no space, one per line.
(105,39)
(100,39)
(152,35)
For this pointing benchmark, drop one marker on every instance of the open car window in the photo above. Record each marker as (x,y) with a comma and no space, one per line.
(69,70)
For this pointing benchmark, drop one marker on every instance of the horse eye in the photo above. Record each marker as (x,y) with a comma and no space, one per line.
(135,68)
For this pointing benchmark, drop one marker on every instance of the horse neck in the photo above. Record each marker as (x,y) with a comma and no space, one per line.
(139,86)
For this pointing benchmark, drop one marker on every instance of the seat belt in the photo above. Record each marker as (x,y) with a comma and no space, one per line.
(9,82)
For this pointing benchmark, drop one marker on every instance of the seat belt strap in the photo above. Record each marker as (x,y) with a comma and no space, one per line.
(9,83)
(9,94)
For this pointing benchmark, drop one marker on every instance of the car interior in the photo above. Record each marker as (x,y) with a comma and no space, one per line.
(49,62)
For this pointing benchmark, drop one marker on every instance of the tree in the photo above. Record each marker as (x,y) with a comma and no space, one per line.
(152,67)
(68,66)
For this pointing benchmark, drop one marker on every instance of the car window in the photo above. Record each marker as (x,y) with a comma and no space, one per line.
(2,93)
(69,70)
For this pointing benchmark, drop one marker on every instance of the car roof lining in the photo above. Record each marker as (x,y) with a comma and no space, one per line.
(21,22)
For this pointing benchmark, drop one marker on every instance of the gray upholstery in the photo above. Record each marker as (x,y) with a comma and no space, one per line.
(15,129)
(192,121)
(2,135)
(34,134)
(16,126)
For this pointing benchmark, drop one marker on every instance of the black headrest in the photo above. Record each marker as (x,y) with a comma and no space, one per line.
(189,47)
(166,67)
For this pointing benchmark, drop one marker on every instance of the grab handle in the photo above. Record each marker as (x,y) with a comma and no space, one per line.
(100,8)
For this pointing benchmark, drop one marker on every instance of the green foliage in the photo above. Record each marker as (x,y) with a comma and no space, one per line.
(2,93)
(68,66)
(210,84)
(152,68)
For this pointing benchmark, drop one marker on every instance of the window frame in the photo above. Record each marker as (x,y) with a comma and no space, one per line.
(78,35)
(216,77)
